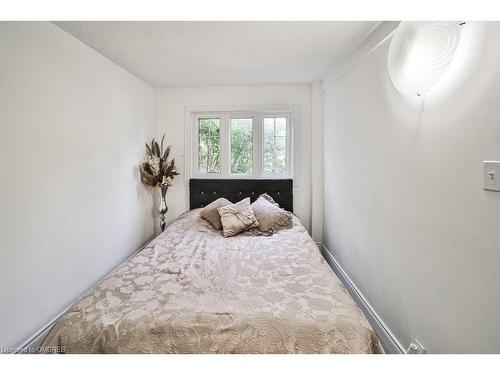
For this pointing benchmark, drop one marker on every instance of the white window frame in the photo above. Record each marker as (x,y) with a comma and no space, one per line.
(257,114)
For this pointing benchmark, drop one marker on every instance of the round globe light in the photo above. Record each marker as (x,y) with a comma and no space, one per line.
(420,53)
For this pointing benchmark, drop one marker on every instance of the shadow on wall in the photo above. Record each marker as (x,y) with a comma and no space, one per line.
(151,196)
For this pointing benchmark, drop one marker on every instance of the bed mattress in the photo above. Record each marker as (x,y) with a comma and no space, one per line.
(193,291)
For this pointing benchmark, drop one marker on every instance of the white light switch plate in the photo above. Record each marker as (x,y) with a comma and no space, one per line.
(491,175)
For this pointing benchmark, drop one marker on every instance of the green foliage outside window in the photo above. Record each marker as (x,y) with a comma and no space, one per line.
(275,145)
(209,145)
(241,146)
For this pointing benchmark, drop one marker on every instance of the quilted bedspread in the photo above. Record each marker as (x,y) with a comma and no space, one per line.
(193,291)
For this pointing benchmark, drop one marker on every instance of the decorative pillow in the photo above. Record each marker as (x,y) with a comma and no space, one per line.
(267,197)
(237,218)
(270,216)
(210,213)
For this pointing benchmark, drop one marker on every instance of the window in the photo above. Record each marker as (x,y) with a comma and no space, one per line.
(241,145)
(237,144)
(209,145)
(275,145)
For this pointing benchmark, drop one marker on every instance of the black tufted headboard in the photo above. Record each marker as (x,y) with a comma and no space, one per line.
(202,191)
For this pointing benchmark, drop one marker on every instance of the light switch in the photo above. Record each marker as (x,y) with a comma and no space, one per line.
(491,175)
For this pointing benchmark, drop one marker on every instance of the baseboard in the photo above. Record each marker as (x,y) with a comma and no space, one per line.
(387,339)
(32,344)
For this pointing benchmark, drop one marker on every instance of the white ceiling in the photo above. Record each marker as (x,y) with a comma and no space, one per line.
(183,54)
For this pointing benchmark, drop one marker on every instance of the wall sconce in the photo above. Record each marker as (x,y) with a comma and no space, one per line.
(420,53)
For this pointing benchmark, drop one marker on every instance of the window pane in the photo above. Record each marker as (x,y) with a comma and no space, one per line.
(275,145)
(280,165)
(268,154)
(281,126)
(269,126)
(280,145)
(241,146)
(209,145)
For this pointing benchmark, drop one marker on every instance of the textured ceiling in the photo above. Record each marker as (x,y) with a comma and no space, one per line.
(183,54)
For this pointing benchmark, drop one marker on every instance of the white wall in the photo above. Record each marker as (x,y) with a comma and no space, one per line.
(72,126)
(405,212)
(170,119)
(317,166)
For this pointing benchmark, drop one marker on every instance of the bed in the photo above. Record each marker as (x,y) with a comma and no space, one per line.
(193,291)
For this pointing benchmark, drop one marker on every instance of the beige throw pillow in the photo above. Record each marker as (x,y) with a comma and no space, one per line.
(267,197)
(237,218)
(210,213)
(270,216)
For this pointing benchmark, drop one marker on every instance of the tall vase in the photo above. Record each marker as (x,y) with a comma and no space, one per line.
(163,207)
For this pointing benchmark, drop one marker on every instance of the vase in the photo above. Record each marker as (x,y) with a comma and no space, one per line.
(163,207)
